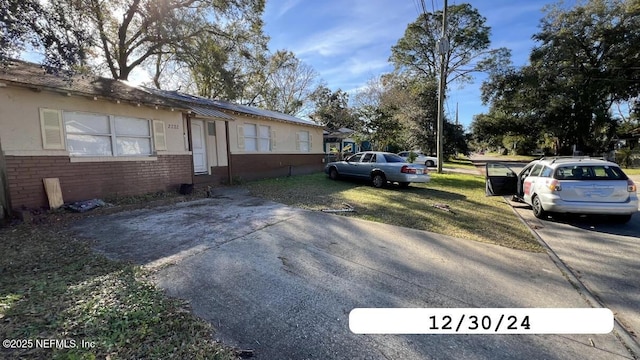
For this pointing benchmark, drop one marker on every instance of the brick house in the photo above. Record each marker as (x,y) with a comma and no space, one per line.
(103,137)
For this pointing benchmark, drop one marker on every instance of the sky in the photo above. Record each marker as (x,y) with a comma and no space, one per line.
(348,42)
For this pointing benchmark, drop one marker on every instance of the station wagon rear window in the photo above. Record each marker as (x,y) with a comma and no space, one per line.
(589,172)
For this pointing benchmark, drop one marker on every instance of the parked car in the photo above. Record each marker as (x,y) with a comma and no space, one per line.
(379,167)
(428,161)
(567,185)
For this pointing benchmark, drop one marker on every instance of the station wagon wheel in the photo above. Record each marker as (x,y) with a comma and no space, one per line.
(429,163)
(379,180)
(333,174)
(538,211)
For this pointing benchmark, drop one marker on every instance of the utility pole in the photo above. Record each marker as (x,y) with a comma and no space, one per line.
(443,49)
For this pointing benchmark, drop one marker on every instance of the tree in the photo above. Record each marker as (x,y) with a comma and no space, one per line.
(51,26)
(332,109)
(284,85)
(215,66)
(416,56)
(121,34)
(377,108)
(583,65)
(469,50)
(130,32)
(456,141)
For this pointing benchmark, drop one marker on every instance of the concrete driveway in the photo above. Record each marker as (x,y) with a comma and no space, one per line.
(282,281)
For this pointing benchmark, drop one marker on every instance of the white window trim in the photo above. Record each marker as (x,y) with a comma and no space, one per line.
(114,137)
(300,140)
(85,159)
(257,138)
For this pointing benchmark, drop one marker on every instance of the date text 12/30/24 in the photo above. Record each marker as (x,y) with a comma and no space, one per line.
(481,321)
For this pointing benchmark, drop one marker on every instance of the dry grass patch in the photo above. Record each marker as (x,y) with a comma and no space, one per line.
(52,287)
(451,204)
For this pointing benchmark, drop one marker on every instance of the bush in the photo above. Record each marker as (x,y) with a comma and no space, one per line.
(627,157)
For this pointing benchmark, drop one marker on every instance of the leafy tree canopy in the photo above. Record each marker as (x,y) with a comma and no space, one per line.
(120,34)
(50,26)
(586,62)
(332,109)
(468,51)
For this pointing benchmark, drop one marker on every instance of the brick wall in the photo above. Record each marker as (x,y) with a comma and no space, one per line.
(262,166)
(88,180)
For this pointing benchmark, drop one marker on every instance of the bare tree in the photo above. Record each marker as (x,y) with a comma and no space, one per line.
(286,85)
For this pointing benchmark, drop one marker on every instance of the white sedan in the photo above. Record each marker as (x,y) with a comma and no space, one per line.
(428,161)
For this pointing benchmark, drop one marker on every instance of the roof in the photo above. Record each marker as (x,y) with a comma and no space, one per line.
(198,101)
(30,75)
(342,132)
(585,160)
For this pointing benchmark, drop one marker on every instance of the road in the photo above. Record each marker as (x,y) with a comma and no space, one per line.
(601,255)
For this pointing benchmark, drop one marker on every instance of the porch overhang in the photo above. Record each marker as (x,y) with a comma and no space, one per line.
(209,113)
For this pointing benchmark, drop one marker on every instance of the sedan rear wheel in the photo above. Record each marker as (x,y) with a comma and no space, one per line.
(379,180)
(333,173)
(538,211)
(429,163)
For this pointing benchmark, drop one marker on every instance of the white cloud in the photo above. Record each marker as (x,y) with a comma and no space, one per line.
(284,8)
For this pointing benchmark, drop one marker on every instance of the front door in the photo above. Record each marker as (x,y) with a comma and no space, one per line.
(199,148)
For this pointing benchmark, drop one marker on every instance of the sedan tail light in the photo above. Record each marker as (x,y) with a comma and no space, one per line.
(631,187)
(405,169)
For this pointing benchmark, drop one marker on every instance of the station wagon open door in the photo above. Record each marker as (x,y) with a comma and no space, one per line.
(500,180)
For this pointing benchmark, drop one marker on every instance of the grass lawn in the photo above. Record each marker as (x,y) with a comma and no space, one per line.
(472,215)
(631,171)
(510,157)
(459,163)
(52,287)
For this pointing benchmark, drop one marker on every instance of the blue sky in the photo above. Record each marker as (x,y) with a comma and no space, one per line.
(349,42)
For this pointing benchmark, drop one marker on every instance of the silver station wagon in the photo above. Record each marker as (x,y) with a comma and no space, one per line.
(567,185)
(378,167)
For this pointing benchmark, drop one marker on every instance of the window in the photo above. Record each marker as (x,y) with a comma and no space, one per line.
(133,136)
(393,158)
(596,172)
(250,137)
(536,170)
(355,158)
(264,138)
(367,157)
(546,172)
(257,138)
(104,135)
(303,141)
